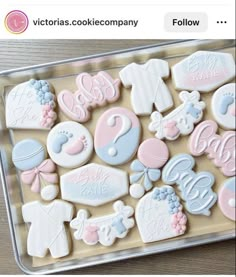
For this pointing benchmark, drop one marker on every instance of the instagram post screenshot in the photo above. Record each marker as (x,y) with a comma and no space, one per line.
(117,137)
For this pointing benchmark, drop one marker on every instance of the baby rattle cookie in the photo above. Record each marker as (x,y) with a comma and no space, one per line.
(181,120)
(220,149)
(195,187)
(227,196)
(117,136)
(104,229)
(203,71)
(152,155)
(159,215)
(148,88)
(31,105)
(69,144)
(223,106)
(94,184)
(92,91)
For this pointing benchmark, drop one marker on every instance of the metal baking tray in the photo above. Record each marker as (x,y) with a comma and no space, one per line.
(13,193)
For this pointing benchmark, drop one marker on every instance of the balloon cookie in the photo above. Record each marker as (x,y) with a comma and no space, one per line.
(223,106)
(31,105)
(117,136)
(92,91)
(69,144)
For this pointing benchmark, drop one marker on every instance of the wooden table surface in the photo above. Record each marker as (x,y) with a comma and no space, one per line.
(217,258)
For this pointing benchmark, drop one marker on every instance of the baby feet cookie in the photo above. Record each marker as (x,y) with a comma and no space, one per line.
(104,229)
(223,106)
(148,88)
(181,120)
(117,136)
(159,215)
(47,230)
(227,201)
(152,155)
(203,71)
(31,105)
(92,91)
(195,187)
(69,144)
(220,149)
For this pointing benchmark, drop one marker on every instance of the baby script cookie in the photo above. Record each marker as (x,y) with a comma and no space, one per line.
(47,230)
(31,105)
(69,144)
(223,106)
(159,215)
(92,91)
(203,71)
(104,229)
(181,120)
(94,184)
(227,201)
(117,136)
(220,149)
(195,187)
(152,155)
(148,88)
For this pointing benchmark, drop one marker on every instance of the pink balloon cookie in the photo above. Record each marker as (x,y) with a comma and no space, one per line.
(227,198)
(221,149)
(117,136)
(92,91)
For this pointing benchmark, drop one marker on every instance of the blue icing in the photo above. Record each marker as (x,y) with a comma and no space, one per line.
(225,102)
(60,139)
(230,184)
(194,112)
(118,224)
(44,95)
(126,147)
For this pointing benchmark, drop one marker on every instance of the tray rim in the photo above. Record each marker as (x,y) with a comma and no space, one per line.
(189,242)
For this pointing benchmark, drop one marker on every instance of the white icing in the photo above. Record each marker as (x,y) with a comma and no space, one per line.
(232,203)
(136,191)
(49,192)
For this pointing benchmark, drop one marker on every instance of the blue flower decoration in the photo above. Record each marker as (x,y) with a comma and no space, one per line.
(44,95)
(149,174)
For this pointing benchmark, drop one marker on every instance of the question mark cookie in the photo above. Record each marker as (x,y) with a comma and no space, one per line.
(117,136)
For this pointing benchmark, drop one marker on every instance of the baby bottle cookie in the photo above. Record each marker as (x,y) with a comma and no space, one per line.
(31,105)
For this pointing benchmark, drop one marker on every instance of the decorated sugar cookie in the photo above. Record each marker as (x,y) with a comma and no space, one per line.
(223,106)
(227,198)
(104,229)
(69,144)
(47,230)
(148,88)
(94,184)
(195,187)
(31,105)
(159,215)
(152,154)
(117,136)
(203,71)
(181,120)
(92,91)
(220,149)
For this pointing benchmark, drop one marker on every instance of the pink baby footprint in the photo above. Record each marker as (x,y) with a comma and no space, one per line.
(171,130)
(77,147)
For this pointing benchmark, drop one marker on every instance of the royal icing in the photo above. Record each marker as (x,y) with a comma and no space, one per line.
(47,230)
(159,215)
(203,71)
(94,185)
(31,105)
(223,106)
(152,154)
(221,149)
(195,187)
(104,229)
(69,144)
(117,136)
(181,120)
(92,91)
(148,88)
(227,198)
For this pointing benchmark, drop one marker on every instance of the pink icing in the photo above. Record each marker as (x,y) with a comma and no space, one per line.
(233,111)
(77,147)
(91,234)
(224,197)
(221,149)
(49,116)
(171,130)
(153,153)
(92,91)
(178,222)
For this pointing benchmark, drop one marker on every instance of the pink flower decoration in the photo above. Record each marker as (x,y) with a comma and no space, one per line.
(49,116)
(178,222)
